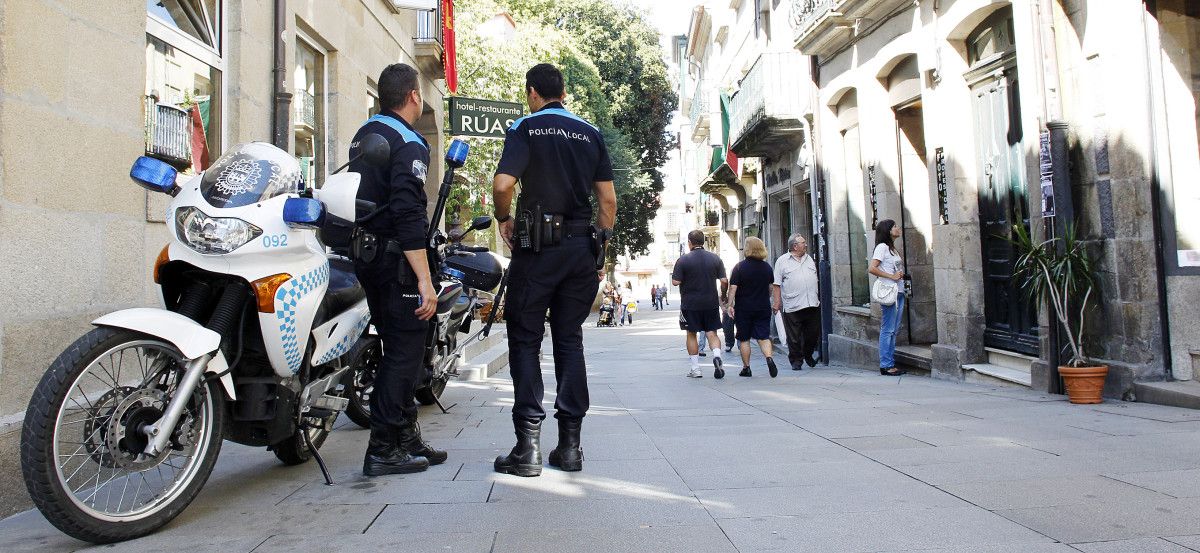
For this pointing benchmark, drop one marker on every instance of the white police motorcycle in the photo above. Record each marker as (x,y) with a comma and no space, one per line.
(125,426)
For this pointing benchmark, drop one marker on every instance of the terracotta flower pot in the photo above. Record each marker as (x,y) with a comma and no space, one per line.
(1084,384)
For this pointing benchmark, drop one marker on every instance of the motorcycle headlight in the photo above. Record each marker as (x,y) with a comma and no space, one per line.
(213,235)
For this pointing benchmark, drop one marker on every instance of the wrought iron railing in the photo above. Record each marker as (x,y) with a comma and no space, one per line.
(429,26)
(699,103)
(168,132)
(306,108)
(772,88)
(805,13)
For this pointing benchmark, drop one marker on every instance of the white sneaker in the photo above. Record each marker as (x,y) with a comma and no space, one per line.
(695,373)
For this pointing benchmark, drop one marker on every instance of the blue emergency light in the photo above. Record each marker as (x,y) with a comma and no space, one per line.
(456,155)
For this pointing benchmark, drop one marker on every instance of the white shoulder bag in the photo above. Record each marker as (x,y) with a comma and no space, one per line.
(884,291)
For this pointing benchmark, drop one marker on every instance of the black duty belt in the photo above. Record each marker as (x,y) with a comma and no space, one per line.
(577,229)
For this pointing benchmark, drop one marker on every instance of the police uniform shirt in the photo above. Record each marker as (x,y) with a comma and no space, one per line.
(400,186)
(558,157)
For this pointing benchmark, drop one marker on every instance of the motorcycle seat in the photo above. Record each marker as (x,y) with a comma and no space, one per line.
(344,289)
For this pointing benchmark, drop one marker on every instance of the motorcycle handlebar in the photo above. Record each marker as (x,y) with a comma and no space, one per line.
(472,249)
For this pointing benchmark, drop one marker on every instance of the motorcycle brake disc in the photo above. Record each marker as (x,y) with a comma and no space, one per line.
(95,427)
(124,438)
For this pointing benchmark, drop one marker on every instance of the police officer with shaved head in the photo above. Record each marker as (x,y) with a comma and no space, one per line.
(560,161)
(390,259)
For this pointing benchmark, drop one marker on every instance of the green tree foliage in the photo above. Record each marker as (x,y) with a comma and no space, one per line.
(615,77)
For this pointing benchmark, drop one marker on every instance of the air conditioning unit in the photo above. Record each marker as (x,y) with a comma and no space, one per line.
(419,5)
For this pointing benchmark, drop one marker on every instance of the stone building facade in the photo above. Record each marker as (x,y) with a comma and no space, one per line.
(78,86)
(932,114)
(746,93)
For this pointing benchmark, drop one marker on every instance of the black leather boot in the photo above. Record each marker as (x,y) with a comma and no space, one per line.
(526,457)
(385,456)
(568,456)
(410,440)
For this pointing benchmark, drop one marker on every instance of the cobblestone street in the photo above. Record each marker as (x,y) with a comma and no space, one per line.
(831,459)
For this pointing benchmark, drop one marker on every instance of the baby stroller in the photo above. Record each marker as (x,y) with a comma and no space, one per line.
(607,314)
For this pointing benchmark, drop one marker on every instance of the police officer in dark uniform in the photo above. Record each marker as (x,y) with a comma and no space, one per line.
(389,250)
(560,160)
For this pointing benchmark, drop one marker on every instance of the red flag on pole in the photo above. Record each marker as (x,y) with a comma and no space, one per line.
(448,58)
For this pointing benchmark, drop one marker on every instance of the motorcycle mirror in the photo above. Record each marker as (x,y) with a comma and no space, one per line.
(479,223)
(154,175)
(372,148)
(303,212)
(375,150)
(456,154)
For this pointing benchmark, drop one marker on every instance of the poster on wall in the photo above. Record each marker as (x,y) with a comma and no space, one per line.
(1046,168)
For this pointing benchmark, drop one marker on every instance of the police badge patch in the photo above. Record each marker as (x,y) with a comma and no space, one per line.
(419,169)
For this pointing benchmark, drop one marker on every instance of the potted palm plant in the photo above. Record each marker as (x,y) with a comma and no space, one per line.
(1061,271)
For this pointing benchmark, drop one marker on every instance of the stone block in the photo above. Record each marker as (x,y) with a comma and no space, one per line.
(124,272)
(853,353)
(1104,194)
(947,362)
(31,32)
(1132,213)
(949,288)
(52,250)
(29,348)
(107,76)
(923,322)
(120,19)
(1134,265)
(13,497)
(105,151)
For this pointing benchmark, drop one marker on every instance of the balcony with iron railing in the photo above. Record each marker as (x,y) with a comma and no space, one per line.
(699,113)
(822,27)
(306,112)
(168,133)
(428,41)
(766,114)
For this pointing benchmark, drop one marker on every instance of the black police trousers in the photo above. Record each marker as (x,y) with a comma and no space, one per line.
(403,336)
(562,279)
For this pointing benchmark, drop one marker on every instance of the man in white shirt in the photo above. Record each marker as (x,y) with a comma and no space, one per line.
(795,293)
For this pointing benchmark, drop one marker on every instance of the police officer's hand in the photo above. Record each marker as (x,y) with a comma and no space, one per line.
(506,232)
(428,300)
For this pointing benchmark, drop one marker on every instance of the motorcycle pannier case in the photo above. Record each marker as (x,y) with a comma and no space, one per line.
(481,271)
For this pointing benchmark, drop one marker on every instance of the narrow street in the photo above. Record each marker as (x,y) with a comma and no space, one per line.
(831,459)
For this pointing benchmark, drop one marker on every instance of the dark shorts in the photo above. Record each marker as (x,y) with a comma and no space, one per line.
(703,320)
(752,325)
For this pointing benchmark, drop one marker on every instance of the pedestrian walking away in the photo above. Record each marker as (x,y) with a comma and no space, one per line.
(887,264)
(750,303)
(391,262)
(628,303)
(728,327)
(560,160)
(696,274)
(795,293)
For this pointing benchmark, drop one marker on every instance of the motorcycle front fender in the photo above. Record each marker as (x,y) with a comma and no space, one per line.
(191,338)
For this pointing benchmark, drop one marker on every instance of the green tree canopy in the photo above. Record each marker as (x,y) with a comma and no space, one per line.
(615,78)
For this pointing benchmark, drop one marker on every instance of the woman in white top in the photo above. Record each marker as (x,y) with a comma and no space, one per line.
(886,263)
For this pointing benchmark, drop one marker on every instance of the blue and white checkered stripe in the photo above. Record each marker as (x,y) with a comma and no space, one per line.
(286,299)
(346,342)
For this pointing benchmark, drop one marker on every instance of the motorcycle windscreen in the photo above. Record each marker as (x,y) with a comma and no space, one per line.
(250,173)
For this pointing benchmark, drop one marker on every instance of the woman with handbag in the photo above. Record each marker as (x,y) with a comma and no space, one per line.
(888,292)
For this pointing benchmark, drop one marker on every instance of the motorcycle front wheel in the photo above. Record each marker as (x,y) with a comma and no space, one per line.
(82,445)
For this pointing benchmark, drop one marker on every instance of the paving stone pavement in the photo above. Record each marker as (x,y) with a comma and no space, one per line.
(832,459)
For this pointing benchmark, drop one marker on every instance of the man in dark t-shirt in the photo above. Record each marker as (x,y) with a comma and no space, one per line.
(696,274)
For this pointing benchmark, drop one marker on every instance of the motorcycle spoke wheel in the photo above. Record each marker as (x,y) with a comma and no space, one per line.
(83,442)
(98,445)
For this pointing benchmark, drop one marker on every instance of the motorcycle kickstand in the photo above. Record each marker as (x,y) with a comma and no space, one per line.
(445,410)
(316,455)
